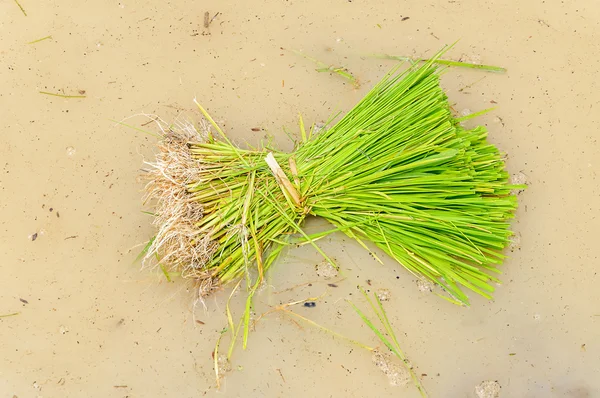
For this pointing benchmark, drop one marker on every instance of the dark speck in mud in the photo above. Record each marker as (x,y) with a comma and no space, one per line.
(34,236)
(310,304)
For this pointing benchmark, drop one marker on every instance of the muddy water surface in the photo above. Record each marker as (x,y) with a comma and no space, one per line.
(89,323)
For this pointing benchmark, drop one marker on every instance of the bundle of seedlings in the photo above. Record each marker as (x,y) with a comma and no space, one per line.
(398,171)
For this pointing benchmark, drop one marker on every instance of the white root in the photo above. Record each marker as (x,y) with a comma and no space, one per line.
(178,245)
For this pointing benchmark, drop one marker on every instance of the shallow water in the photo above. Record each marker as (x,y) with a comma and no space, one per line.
(91,324)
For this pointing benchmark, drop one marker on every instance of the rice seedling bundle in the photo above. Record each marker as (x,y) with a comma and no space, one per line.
(397,171)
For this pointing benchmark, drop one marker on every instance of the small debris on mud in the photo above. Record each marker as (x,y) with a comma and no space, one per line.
(518,179)
(319,126)
(326,270)
(488,389)
(397,374)
(224,364)
(383,294)
(514,242)
(424,286)
(310,304)
(33,236)
(471,58)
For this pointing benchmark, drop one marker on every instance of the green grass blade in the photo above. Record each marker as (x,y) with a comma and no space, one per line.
(39,40)
(7,315)
(446,62)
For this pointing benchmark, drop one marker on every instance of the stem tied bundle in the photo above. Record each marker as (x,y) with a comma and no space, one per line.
(398,171)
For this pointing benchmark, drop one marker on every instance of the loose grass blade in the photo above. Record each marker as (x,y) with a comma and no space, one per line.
(393,346)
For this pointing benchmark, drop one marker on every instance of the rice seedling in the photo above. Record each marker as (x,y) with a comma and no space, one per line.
(398,171)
